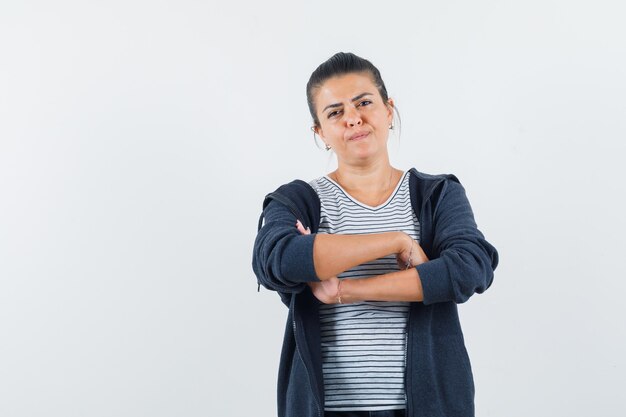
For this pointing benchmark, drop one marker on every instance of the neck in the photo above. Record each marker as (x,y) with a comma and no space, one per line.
(375,177)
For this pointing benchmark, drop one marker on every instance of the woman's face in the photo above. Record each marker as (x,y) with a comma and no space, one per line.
(353,118)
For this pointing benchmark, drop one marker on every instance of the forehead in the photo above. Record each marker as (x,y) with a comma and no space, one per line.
(344,87)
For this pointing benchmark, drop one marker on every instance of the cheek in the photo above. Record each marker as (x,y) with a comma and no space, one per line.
(328,129)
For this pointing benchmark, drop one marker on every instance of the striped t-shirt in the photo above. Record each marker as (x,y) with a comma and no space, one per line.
(364,344)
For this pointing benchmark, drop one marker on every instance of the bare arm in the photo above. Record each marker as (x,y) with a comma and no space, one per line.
(334,254)
(394,286)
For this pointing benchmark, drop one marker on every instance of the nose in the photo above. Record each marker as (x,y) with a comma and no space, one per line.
(352,116)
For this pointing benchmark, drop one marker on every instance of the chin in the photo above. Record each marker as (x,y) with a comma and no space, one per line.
(365,156)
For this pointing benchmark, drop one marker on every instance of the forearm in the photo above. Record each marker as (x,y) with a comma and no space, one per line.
(394,286)
(334,254)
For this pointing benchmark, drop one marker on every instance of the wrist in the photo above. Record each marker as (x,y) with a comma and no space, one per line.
(401,241)
(350,289)
(340,299)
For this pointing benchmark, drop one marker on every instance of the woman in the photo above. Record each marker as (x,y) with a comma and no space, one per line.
(371,262)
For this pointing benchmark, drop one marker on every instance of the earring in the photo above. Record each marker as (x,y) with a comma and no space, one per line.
(315,137)
(391,126)
(327,147)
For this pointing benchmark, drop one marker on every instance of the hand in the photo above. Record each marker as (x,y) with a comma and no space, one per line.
(301,228)
(410,250)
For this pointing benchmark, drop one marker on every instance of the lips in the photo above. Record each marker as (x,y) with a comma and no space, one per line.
(358,135)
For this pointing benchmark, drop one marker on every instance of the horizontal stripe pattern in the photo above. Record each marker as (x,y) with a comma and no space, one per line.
(364,344)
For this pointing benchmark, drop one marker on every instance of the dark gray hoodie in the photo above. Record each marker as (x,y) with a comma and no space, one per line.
(439,381)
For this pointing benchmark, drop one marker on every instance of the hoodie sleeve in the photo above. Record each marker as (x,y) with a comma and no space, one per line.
(283,258)
(466,260)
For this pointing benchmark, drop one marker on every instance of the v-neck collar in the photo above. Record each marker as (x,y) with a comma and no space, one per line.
(381,205)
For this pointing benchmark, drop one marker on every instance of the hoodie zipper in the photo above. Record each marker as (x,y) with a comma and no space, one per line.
(407,354)
(407,382)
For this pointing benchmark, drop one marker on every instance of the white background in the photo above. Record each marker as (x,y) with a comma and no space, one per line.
(138,138)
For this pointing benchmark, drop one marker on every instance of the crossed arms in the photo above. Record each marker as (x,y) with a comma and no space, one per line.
(334,254)
(287,259)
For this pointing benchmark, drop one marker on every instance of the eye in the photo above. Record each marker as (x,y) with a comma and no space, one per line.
(333,113)
(365,103)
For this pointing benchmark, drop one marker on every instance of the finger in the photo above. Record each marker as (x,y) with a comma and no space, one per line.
(301,228)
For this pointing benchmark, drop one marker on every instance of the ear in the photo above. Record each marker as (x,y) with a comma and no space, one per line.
(318,130)
(390,107)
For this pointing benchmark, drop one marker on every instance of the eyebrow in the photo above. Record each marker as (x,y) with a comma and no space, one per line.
(360,96)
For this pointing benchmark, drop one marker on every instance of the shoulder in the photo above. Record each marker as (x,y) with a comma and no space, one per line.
(422,176)
(424,184)
(429,187)
(300,198)
(296,191)
(316,183)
